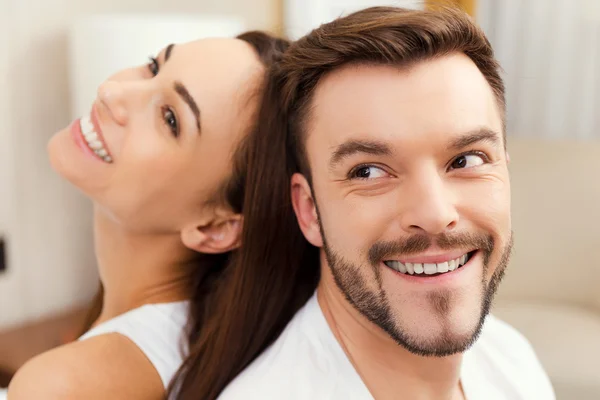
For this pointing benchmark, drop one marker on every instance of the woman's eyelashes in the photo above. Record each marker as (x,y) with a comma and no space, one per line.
(168,116)
(170,120)
(153,66)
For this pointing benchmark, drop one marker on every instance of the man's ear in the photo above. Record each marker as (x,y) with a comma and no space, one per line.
(507,157)
(306,210)
(219,236)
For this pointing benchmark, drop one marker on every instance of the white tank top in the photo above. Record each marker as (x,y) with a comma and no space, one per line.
(158,330)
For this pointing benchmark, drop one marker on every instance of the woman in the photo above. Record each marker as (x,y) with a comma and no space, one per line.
(158,156)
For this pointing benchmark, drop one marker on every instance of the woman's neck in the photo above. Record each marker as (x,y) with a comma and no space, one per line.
(137,268)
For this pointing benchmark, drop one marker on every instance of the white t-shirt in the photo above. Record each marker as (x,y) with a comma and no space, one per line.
(158,330)
(307,363)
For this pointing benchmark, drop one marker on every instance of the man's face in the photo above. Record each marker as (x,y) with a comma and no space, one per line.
(411,197)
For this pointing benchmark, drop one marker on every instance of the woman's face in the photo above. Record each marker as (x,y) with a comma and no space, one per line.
(157,145)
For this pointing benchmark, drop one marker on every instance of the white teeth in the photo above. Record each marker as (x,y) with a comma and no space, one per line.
(430,269)
(443,267)
(451,265)
(401,268)
(92,139)
(419,268)
(86,125)
(397,266)
(95,145)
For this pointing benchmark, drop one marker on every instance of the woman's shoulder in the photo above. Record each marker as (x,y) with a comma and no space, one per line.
(106,366)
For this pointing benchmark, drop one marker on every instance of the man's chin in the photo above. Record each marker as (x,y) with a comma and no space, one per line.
(446,343)
(430,334)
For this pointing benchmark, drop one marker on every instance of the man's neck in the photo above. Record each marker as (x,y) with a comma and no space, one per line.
(386,368)
(137,269)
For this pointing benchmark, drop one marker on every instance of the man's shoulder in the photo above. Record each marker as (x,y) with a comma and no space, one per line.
(500,340)
(507,353)
(282,370)
(297,362)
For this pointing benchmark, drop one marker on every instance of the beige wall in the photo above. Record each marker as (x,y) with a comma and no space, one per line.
(47,222)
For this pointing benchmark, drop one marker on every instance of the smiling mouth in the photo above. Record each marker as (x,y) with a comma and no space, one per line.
(430,269)
(93,140)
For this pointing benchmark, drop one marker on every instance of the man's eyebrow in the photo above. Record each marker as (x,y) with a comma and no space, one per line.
(378,148)
(475,136)
(355,146)
(168,51)
(189,100)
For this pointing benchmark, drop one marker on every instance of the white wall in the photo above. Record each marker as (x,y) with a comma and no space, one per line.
(301,16)
(46,222)
(550,51)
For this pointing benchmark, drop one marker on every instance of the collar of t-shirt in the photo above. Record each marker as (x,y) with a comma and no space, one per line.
(471,374)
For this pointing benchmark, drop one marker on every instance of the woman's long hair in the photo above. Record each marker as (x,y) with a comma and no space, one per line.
(210,267)
(276,270)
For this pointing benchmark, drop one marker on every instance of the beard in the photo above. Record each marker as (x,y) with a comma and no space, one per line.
(374,304)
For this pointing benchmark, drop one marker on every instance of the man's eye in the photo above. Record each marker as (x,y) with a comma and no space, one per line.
(468,161)
(367,172)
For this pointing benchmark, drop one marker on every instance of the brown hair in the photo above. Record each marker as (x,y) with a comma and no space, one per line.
(277,270)
(210,267)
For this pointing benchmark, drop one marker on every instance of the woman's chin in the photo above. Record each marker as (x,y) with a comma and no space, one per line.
(58,154)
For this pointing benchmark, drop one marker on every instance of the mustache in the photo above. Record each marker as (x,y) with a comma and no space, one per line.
(421,242)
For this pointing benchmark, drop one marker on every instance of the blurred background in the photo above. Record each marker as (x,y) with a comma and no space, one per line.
(54,53)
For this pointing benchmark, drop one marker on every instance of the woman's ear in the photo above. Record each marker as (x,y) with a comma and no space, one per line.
(219,236)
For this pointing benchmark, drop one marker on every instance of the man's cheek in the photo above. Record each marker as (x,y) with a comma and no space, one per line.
(355,235)
(490,211)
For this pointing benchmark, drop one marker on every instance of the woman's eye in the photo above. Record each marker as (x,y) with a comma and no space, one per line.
(171,121)
(153,66)
(367,172)
(468,161)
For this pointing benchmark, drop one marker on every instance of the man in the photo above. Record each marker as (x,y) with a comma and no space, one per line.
(394,125)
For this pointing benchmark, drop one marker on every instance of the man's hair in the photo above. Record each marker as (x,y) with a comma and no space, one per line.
(379,36)
(277,270)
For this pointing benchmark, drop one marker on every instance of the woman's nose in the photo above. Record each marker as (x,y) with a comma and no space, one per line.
(113,95)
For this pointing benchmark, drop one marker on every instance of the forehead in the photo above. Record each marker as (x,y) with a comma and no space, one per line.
(425,102)
(220,74)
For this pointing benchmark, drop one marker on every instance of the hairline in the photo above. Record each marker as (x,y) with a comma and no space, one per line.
(306,105)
